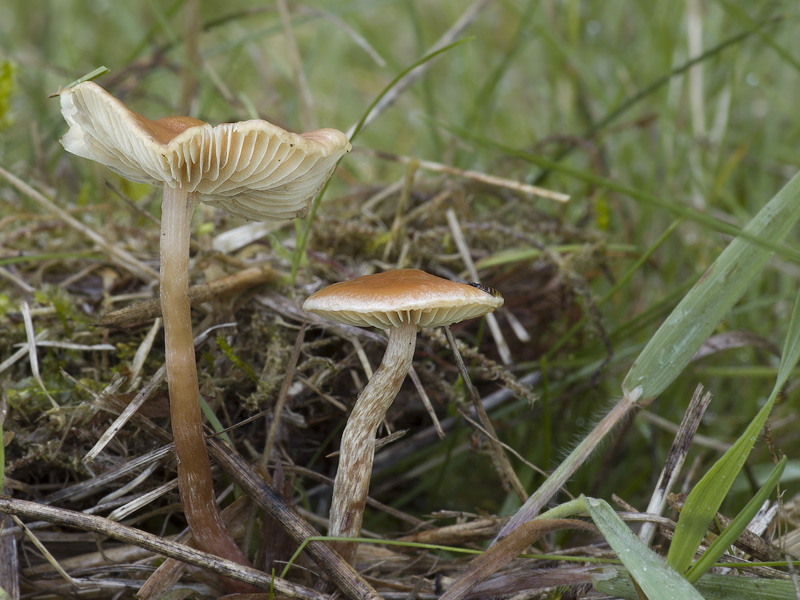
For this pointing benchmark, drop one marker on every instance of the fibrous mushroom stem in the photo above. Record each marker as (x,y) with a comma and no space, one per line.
(194,469)
(357,449)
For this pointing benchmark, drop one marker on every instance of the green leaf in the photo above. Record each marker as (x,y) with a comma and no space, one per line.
(711,586)
(790,354)
(705,499)
(98,72)
(697,315)
(656,579)
(736,527)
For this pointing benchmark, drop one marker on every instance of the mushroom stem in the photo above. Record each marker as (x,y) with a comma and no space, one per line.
(195,482)
(357,449)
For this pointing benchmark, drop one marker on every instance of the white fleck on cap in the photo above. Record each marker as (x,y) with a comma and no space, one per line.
(253,169)
(394,298)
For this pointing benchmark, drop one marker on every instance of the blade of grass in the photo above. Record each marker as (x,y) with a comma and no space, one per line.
(486,97)
(635,194)
(362,122)
(711,586)
(516,255)
(677,340)
(725,281)
(706,497)
(651,88)
(740,14)
(656,579)
(649,570)
(302,240)
(412,75)
(98,72)
(626,277)
(737,526)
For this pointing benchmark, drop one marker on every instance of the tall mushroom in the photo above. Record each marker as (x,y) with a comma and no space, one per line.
(254,170)
(402,302)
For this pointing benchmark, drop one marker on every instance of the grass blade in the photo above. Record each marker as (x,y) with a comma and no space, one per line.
(302,240)
(656,579)
(705,499)
(677,340)
(725,281)
(359,127)
(640,196)
(736,527)
(98,72)
(711,586)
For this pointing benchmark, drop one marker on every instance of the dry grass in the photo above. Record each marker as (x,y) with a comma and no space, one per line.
(79,254)
(243,364)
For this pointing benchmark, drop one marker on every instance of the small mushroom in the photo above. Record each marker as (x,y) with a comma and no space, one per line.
(402,302)
(254,170)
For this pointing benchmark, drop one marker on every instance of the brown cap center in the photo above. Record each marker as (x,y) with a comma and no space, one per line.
(166,128)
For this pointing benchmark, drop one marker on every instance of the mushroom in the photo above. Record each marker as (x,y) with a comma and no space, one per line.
(402,302)
(254,170)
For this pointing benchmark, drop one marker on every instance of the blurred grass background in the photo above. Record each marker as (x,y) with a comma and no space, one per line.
(718,140)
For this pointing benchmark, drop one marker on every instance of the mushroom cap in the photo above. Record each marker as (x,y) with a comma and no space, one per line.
(253,169)
(394,298)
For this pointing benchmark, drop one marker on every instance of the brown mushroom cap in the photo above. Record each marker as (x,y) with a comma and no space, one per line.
(253,169)
(394,298)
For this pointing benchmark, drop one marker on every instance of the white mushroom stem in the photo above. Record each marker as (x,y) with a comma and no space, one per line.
(357,449)
(194,469)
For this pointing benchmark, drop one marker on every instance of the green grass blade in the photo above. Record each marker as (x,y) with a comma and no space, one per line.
(711,586)
(671,349)
(628,103)
(98,72)
(302,241)
(621,282)
(705,499)
(654,577)
(697,315)
(736,527)
(769,40)
(790,354)
(360,125)
(631,192)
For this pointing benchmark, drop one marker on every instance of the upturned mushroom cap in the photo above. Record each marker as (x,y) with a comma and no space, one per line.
(253,169)
(403,296)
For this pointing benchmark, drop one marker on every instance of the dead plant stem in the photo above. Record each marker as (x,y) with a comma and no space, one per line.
(499,453)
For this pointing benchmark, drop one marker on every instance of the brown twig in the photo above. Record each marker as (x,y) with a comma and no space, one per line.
(130,316)
(341,573)
(154,543)
(486,178)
